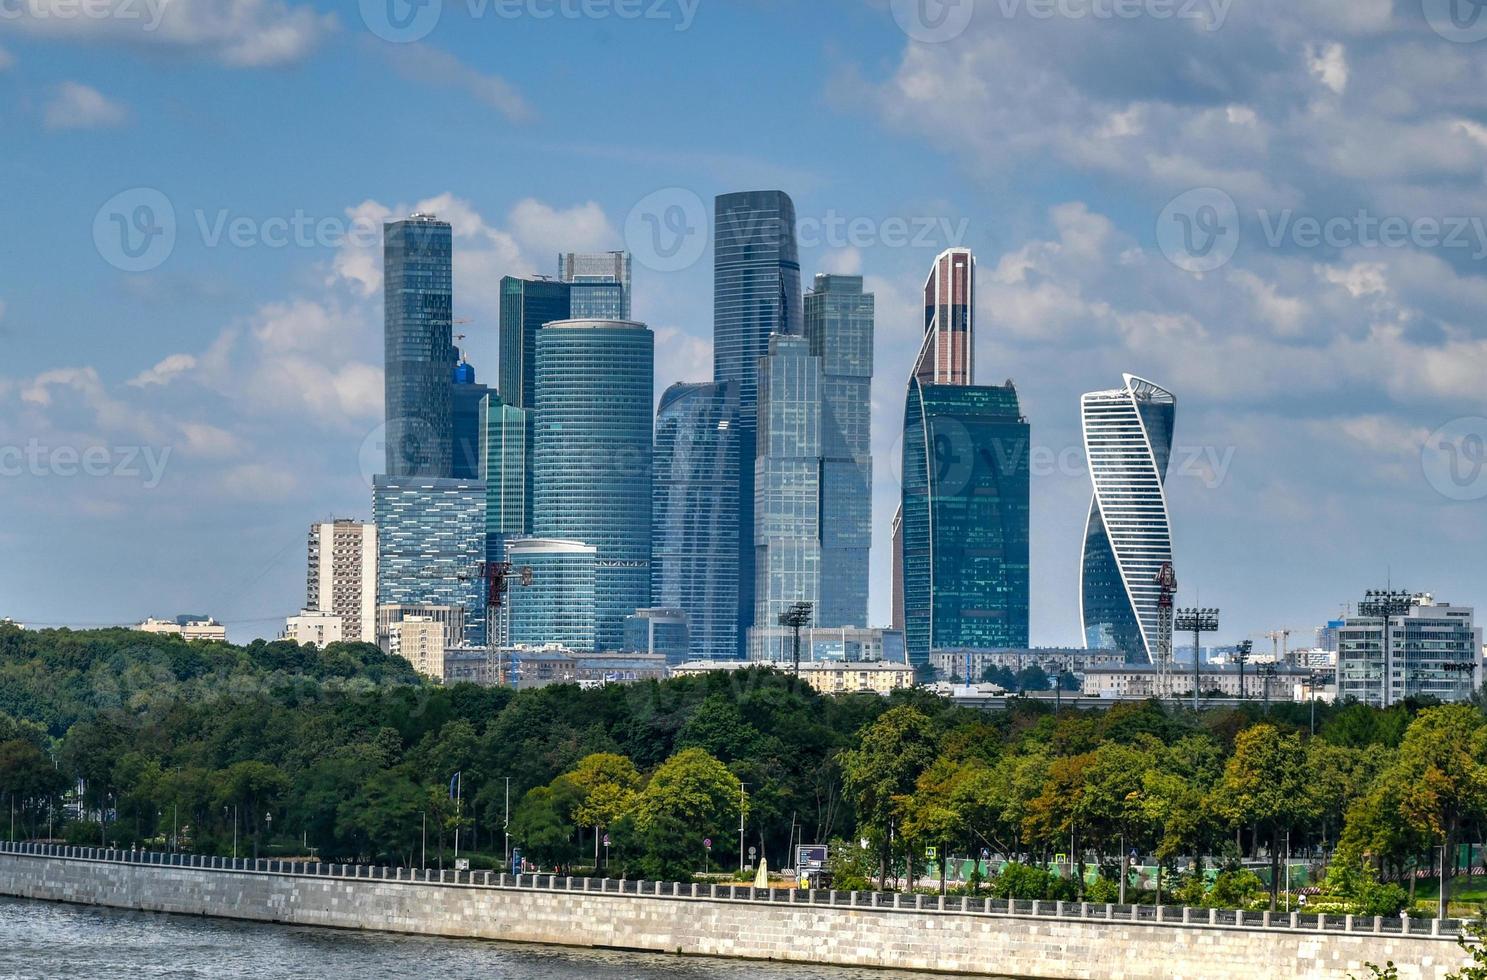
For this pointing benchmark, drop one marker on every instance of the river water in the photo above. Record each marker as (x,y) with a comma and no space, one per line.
(42,939)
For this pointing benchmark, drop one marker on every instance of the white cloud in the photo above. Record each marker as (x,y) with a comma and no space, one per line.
(546,231)
(236,33)
(1328,63)
(843,262)
(421,63)
(164,371)
(74,105)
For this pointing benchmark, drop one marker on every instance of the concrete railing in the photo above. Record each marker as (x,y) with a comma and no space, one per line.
(884,902)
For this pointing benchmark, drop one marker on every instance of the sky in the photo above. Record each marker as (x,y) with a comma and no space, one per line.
(1273,208)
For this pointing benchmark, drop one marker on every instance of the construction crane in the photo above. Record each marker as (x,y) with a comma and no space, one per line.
(1280,646)
(1166,580)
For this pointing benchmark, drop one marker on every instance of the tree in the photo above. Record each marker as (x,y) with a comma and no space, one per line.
(542,822)
(891,754)
(385,817)
(690,797)
(257,789)
(1265,786)
(608,786)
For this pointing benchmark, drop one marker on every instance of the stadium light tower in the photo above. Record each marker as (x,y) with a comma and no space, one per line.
(1386,604)
(1198,621)
(795,617)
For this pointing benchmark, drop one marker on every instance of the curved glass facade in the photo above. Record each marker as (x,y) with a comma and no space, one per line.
(591,456)
(551,593)
(694,551)
(418,348)
(965,519)
(1128,536)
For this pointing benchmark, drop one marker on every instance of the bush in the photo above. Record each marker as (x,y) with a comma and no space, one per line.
(1353,888)
(1026,882)
(1102,891)
(1235,890)
(82,833)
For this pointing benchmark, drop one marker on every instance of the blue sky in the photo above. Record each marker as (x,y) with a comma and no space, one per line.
(224,397)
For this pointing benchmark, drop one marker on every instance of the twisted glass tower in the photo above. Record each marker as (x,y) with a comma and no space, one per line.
(1128,537)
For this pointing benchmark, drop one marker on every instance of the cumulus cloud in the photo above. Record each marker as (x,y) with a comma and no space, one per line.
(74,105)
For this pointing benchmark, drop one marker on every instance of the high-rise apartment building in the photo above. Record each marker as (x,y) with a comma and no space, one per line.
(964,519)
(342,576)
(787,480)
(418,346)
(839,327)
(1434,649)
(695,533)
(756,294)
(1128,535)
(591,456)
(598,284)
(430,543)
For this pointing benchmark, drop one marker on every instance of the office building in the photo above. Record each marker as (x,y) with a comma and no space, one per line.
(1138,682)
(970,665)
(1128,536)
(827,677)
(787,481)
(430,544)
(658,631)
(756,294)
(503,470)
(451,620)
(839,327)
(591,456)
(420,641)
(526,305)
(418,346)
(318,629)
(1434,649)
(550,595)
(965,519)
(854,644)
(598,284)
(466,396)
(342,576)
(695,532)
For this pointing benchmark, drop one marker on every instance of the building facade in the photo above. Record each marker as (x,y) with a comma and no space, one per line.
(756,294)
(550,595)
(187,628)
(820,644)
(451,620)
(827,677)
(466,396)
(318,629)
(970,665)
(839,326)
(787,481)
(1128,535)
(1141,681)
(418,346)
(420,641)
(662,632)
(591,457)
(503,470)
(342,576)
(694,532)
(947,354)
(430,544)
(599,284)
(1434,650)
(965,519)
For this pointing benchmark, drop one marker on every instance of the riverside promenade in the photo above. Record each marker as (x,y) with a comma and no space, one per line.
(950,934)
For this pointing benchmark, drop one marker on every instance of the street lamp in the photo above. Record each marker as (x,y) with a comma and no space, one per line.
(1385,604)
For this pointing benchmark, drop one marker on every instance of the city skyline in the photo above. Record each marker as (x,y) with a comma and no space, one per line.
(1295,363)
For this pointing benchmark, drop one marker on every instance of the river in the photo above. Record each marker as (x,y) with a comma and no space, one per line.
(46,940)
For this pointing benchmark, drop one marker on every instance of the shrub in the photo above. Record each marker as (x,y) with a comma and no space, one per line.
(1026,882)
(1235,890)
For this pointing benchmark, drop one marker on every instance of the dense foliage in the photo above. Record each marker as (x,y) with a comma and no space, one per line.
(347,753)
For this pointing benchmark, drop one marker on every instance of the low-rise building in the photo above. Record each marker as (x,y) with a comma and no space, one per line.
(472,665)
(850,644)
(451,618)
(970,665)
(595,669)
(312,626)
(190,627)
(1279,682)
(828,677)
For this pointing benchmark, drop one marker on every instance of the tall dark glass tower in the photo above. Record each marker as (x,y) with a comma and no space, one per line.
(965,519)
(756,293)
(526,304)
(418,346)
(839,326)
(694,549)
(466,395)
(591,459)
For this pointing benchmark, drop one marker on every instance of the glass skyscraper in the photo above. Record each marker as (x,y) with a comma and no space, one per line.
(466,397)
(694,549)
(551,593)
(1128,536)
(503,468)
(430,543)
(965,516)
(591,456)
(839,326)
(787,481)
(526,304)
(756,293)
(418,346)
(599,284)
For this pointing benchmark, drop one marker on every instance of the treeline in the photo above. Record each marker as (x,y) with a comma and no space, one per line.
(348,754)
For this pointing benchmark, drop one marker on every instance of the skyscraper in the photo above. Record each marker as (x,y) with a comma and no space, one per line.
(694,549)
(526,304)
(787,480)
(839,326)
(430,543)
(418,346)
(947,355)
(503,469)
(552,593)
(599,284)
(965,519)
(591,456)
(1128,536)
(342,576)
(756,293)
(466,397)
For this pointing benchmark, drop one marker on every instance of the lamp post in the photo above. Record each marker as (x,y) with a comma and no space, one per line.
(1241,657)
(1198,621)
(1385,604)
